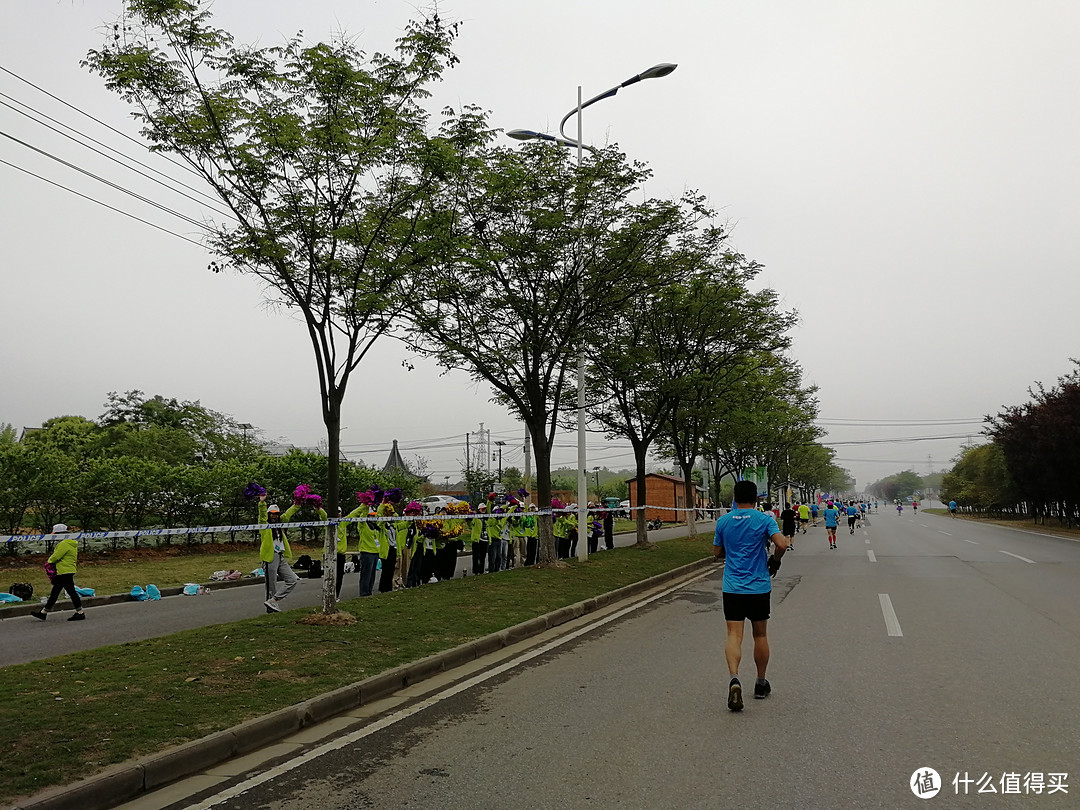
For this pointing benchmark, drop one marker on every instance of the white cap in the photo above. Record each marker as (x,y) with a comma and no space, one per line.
(273,508)
(59,528)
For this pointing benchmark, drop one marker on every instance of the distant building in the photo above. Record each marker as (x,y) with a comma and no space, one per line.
(395,461)
(666,491)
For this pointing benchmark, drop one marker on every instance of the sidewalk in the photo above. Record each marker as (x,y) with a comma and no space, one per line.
(129,780)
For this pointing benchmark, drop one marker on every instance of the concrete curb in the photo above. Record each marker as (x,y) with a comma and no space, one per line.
(129,780)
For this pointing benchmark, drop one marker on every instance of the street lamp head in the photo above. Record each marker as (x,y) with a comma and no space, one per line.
(523,134)
(658,71)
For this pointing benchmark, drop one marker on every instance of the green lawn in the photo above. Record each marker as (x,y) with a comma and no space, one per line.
(67,717)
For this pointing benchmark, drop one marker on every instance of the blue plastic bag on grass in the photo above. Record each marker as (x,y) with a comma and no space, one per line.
(152,593)
(84,591)
(138,594)
(9,597)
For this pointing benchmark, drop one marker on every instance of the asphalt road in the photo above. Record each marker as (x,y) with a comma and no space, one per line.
(975,670)
(29,639)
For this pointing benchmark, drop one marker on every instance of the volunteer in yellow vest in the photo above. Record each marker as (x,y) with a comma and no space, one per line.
(65,557)
(274,553)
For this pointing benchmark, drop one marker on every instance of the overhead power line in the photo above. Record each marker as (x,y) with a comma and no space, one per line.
(77,139)
(99,202)
(92,118)
(109,183)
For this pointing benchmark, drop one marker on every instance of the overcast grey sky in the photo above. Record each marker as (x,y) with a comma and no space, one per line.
(906,171)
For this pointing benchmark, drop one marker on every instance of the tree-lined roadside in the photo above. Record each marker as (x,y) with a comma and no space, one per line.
(64,718)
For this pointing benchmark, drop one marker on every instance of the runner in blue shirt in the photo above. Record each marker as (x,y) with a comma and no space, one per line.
(742,537)
(952,508)
(832,515)
(852,515)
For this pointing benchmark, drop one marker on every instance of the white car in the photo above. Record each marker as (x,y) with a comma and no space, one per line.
(436,504)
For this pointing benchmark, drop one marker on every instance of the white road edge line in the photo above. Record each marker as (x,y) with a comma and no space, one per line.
(973,542)
(892,624)
(396,717)
(945,533)
(1025,559)
(867,541)
(870,554)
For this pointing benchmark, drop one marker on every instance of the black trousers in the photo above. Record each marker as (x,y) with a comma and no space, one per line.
(562,544)
(386,581)
(64,582)
(532,549)
(340,572)
(479,556)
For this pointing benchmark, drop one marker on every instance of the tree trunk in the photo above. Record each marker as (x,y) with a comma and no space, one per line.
(332,419)
(547,554)
(690,493)
(642,530)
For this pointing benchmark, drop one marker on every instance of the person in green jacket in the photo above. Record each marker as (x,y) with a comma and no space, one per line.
(275,553)
(479,537)
(65,557)
(343,548)
(530,525)
(561,527)
(372,549)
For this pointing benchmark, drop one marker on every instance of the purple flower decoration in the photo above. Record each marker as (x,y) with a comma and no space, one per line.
(377,495)
(253,490)
(301,494)
(365,497)
(393,495)
(523,493)
(429,530)
(315,501)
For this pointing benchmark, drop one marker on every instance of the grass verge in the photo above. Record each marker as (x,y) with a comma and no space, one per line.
(69,717)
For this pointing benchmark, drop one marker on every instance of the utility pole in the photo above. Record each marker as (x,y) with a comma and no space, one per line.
(528,460)
(500,444)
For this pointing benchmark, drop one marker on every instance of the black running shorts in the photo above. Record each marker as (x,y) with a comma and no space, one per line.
(741,606)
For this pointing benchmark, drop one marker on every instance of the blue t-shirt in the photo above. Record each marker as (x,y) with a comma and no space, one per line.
(813,509)
(952,506)
(852,511)
(831,514)
(744,535)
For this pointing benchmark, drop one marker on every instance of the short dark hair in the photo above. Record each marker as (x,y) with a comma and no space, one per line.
(745,492)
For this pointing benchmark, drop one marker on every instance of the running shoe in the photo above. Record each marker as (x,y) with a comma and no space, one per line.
(734,695)
(40,614)
(762,690)
(77,617)
(272,603)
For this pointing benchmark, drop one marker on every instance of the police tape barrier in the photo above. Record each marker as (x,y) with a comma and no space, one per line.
(299,524)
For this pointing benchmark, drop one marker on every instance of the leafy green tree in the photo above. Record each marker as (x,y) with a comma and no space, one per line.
(532,255)
(8,434)
(980,480)
(319,152)
(53,484)
(16,487)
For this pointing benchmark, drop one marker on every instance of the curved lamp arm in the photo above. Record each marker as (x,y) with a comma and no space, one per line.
(530,135)
(655,72)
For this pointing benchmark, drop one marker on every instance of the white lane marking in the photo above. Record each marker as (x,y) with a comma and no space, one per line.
(892,624)
(924,525)
(870,554)
(396,717)
(973,542)
(1025,559)
(945,533)
(867,541)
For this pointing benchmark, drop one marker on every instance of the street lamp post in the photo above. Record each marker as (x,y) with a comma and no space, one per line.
(596,472)
(655,72)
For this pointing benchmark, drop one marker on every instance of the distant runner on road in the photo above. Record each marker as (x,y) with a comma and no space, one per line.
(832,515)
(741,537)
